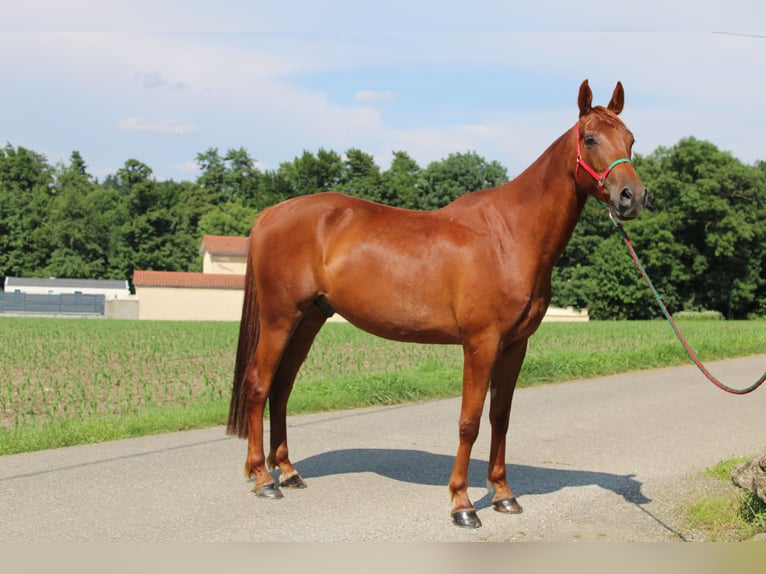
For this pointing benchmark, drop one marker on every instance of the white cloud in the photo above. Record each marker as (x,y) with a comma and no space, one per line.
(249,90)
(136,124)
(374,97)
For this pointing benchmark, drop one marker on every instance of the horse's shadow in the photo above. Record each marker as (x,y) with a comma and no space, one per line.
(420,467)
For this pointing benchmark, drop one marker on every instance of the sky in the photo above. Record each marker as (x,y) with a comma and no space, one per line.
(164,80)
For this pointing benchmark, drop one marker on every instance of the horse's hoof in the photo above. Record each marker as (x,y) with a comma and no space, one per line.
(508,506)
(466,519)
(295,481)
(269,490)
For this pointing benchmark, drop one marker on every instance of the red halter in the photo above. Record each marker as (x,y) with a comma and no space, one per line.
(600,178)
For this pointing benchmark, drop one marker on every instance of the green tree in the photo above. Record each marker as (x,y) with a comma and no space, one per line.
(227,219)
(243,179)
(232,177)
(702,240)
(715,207)
(109,217)
(361,176)
(212,180)
(400,182)
(79,238)
(26,182)
(614,289)
(274,186)
(157,234)
(444,181)
(313,173)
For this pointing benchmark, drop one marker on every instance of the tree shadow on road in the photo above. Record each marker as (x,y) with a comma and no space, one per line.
(420,467)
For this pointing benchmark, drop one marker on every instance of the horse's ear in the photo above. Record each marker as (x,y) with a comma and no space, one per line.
(618,99)
(585,99)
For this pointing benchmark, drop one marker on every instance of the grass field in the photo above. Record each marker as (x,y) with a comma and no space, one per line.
(733,514)
(70,381)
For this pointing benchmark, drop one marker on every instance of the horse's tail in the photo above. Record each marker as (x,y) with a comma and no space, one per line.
(249,331)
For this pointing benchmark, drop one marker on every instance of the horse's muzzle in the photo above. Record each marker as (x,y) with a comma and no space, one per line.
(631,202)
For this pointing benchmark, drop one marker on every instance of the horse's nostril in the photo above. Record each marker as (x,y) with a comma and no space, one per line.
(626,194)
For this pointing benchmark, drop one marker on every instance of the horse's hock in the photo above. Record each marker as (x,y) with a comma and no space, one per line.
(751,476)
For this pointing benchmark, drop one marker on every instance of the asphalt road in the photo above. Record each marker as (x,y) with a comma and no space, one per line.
(601,459)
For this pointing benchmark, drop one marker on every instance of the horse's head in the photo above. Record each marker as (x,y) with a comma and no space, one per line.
(603,150)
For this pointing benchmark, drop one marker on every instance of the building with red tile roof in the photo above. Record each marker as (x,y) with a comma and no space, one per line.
(188,280)
(224,245)
(214,294)
(224,254)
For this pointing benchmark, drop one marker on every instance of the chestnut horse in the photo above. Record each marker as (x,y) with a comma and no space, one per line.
(476,273)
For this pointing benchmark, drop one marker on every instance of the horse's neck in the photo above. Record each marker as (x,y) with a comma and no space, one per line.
(543,203)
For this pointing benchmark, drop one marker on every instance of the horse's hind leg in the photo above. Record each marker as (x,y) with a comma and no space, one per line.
(503,383)
(295,353)
(273,340)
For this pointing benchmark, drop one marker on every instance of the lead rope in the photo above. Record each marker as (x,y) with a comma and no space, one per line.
(669,317)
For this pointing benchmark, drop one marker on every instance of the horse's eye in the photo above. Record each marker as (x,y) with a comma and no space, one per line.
(590,140)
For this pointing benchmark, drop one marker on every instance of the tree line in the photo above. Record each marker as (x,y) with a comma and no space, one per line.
(702,238)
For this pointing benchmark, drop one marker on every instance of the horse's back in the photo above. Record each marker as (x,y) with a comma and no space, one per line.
(328,217)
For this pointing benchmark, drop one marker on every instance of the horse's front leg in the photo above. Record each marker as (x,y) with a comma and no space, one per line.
(478,359)
(503,383)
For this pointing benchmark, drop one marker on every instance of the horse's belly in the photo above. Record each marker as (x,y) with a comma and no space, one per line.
(399,312)
(406,331)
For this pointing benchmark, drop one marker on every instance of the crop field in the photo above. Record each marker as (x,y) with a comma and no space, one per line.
(82,368)
(64,374)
